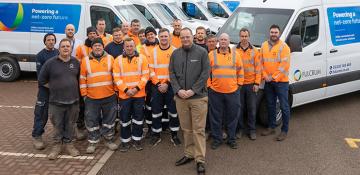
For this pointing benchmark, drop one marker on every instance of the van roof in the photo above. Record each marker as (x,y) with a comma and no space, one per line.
(290,4)
(112,2)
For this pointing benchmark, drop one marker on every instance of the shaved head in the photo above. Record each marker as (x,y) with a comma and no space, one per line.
(70,31)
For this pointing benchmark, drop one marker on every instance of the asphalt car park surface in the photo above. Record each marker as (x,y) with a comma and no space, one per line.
(323,139)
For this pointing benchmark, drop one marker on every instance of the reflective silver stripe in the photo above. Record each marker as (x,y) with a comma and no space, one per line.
(119,82)
(174,128)
(132,83)
(83,86)
(271,60)
(148,107)
(240,76)
(152,65)
(233,57)
(280,50)
(144,79)
(224,76)
(145,72)
(172,115)
(116,74)
(98,74)
(105,83)
(84,51)
(125,140)
(156,130)
(82,77)
(94,141)
(286,59)
(108,126)
(148,122)
(238,68)
(137,122)
(125,124)
(146,50)
(162,66)
(156,115)
(163,76)
(152,74)
(248,61)
(136,138)
(121,65)
(223,67)
(125,74)
(109,63)
(87,61)
(165,120)
(249,69)
(165,106)
(93,128)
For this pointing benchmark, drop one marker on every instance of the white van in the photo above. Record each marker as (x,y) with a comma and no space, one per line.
(324,37)
(196,9)
(177,13)
(23,25)
(154,13)
(218,8)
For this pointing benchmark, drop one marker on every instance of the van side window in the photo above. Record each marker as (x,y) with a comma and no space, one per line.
(307,26)
(148,15)
(217,9)
(193,11)
(111,20)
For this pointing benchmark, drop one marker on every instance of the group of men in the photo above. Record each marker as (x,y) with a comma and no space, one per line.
(173,77)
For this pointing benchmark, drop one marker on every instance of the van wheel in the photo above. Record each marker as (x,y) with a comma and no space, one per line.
(9,69)
(263,113)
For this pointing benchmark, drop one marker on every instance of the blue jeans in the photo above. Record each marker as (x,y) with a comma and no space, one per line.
(41,111)
(248,104)
(224,108)
(131,118)
(274,91)
(100,115)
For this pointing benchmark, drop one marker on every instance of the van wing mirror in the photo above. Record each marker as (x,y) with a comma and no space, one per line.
(295,43)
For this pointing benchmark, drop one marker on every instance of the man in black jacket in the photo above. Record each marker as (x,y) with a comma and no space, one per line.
(189,70)
(42,103)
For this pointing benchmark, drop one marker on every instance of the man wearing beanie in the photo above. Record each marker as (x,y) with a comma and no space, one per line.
(85,49)
(146,49)
(97,90)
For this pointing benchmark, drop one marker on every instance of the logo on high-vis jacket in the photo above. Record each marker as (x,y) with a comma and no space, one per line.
(17,21)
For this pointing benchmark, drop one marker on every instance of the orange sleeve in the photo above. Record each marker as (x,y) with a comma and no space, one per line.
(239,69)
(211,61)
(83,78)
(153,76)
(257,67)
(263,72)
(283,68)
(119,82)
(79,54)
(144,73)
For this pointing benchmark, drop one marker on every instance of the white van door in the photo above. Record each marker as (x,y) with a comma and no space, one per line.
(343,55)
(98,11)
(308,68)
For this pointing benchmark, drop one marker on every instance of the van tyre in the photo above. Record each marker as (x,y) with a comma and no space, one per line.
(263,113)
(9,69)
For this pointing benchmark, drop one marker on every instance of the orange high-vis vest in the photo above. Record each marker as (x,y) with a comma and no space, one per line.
(275,61)
(82,51)
(252,65)
(175,41)
(128,75)
(135,38)
(107,38)
(96,79)
(159,65)
(147,51)
(227,72)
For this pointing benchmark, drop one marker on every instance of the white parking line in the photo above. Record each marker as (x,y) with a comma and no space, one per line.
(97,167)
(21,107)
(31,155)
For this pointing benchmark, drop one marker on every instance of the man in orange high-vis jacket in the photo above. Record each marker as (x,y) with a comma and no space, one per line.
(226,79)
(161,90)
(84,50)
(275,58)
(131,74)
(100,28)
(147,50)
(175,35)
(97,90)
(252,77)
(134,30)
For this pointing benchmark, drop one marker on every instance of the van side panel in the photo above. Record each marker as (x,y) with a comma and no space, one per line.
(343,56)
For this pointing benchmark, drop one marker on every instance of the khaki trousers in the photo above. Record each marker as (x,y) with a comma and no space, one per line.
(192,116)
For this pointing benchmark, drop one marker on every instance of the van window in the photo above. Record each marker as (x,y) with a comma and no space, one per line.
(217,9)
(148,15)
(111,20)
(307,26)
(193,11)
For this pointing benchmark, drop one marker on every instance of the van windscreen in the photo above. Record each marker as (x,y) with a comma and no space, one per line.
(257,21)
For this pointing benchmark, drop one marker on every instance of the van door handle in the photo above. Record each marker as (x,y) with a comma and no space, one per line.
(318,53)
(333,51)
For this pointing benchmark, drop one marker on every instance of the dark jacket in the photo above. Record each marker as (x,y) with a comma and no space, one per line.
(43,56)
(189,69)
